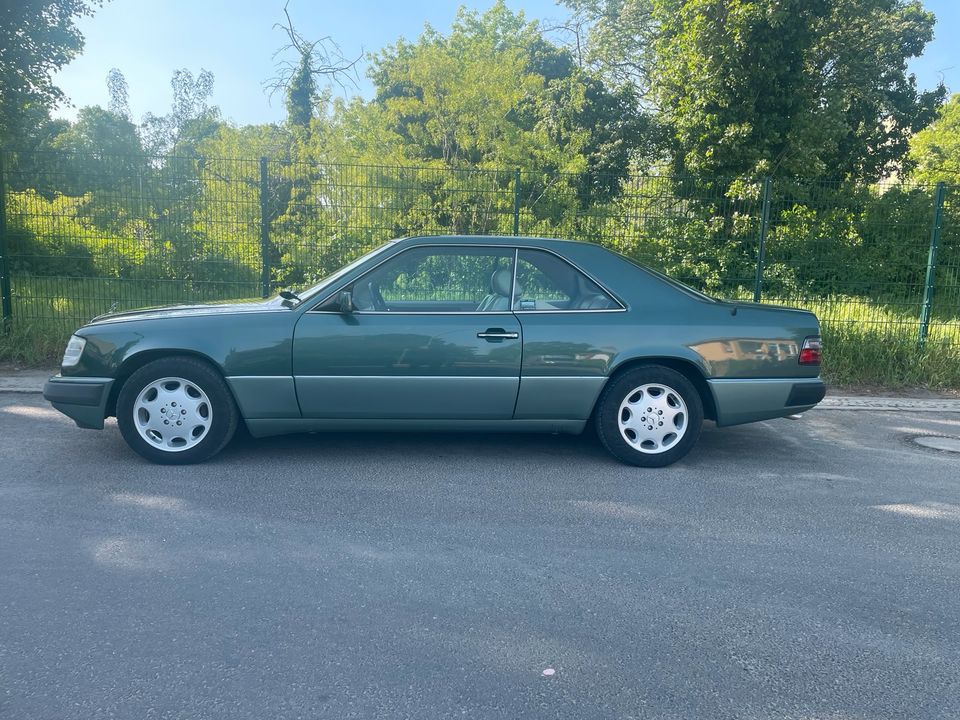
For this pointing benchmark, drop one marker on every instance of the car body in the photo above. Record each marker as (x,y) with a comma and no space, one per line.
(403,340)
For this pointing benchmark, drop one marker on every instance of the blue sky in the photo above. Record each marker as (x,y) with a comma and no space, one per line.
(235,40)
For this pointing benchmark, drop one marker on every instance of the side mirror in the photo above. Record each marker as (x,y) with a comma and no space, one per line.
(345,301)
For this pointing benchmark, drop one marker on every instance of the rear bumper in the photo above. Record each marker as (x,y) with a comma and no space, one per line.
(83,400)
(741,401)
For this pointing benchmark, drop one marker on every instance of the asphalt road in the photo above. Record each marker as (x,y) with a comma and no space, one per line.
(789,569)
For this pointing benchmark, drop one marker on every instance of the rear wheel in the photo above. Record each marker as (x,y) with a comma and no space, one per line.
(176,411)
(650,416)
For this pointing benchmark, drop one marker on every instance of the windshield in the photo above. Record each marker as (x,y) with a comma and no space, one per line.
(313,290)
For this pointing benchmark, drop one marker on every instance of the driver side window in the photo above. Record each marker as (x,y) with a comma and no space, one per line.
(439,279)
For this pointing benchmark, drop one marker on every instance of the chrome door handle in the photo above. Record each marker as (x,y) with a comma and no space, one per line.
(497,334)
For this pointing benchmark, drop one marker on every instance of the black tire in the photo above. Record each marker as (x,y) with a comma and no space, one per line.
(622,387)
(223,414)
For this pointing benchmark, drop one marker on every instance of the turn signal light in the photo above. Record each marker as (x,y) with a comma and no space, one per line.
(810,351)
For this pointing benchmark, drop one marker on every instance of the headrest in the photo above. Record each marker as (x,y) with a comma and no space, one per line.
(501,282)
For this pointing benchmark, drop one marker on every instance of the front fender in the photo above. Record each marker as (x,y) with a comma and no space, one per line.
(247,344)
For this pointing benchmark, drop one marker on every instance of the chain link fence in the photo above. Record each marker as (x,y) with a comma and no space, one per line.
(81,235)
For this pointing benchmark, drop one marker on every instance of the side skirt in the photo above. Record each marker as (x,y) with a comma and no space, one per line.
(266,427)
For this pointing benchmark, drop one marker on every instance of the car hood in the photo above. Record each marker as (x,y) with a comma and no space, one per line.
(176,311)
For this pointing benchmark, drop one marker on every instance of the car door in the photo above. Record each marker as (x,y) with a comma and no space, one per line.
(568,322)
(430,336)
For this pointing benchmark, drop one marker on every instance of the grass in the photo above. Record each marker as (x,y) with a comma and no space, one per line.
(870,343)
(854,355)
(33,345)
(865,342)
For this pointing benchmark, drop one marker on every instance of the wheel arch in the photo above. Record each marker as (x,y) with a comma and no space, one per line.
(687,368)
(138,360)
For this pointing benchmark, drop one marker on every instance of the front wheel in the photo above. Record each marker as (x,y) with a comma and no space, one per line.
(176,411)
(650,416)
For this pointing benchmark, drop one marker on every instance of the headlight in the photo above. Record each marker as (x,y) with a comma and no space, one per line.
(71,356)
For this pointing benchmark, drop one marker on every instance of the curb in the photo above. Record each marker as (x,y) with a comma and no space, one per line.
(26,382)
(851,402)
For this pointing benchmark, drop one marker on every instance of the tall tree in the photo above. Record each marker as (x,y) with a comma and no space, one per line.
(98,132)
(191,118)
(101,151)
(797,87)
(317,63)
(495,92)
(37,38)
(615,38)
(119,93)
(935,150)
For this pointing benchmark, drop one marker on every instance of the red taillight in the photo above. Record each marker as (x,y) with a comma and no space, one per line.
(810,351)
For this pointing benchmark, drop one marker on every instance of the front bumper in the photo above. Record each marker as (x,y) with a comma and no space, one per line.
(749,400)
(82,399)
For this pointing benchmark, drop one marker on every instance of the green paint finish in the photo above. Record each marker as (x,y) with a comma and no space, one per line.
(546,370)
(743,401)
(243,339)
(556,398)
(264,397)
(383,344)
(408,397)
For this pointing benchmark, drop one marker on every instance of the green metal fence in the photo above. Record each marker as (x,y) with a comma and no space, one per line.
(80,235)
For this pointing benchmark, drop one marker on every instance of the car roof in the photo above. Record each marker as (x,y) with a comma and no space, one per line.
(506,240)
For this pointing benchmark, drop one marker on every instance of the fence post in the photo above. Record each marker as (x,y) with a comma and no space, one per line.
(7,302)
(762,240)
(516,202)
(929,285)
(264,229)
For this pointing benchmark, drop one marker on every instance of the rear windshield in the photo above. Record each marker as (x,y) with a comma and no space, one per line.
(670,281)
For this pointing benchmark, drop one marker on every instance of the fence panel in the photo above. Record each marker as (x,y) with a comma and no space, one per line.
(945,307)
(699,233)
(854,254)
(84,234)
(323,216)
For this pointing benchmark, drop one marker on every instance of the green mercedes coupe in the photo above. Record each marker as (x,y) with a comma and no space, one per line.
(448,333)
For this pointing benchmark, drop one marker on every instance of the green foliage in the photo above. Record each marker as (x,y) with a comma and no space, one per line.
(34,344)
(99,132)
(119,93)
(495,93)
(191,118)
(37,38)
(723,91)
(935,151)
(859,350)
(101,151)
(304,81)
(51,238)
(614,38)
(301,92)
(801,88)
